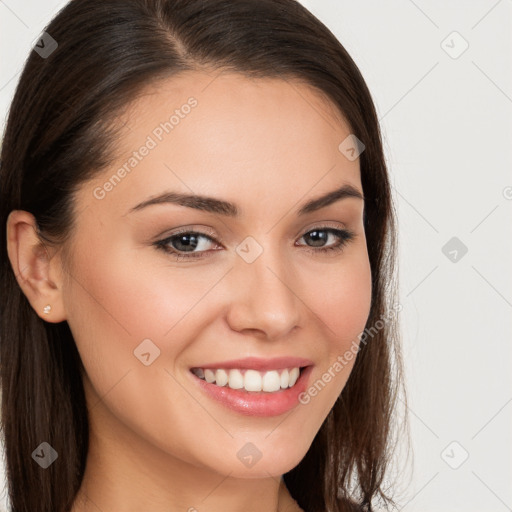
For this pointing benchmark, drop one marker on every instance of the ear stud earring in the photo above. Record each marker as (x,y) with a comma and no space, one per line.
(47,309)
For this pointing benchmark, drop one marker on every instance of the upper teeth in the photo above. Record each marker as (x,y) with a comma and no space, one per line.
(250,380)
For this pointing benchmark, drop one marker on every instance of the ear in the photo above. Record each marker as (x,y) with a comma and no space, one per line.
(37,272)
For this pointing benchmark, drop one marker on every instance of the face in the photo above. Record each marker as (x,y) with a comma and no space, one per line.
(254,288)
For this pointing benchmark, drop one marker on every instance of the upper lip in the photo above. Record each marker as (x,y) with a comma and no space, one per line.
(258,363)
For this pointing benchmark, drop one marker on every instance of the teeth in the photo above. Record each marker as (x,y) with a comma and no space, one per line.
(271,381)
(284,379)
(209,376)
(250,380)
(294,375)
(221,377)
(236,379)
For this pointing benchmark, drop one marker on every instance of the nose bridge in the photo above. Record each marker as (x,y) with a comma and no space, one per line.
(265,297)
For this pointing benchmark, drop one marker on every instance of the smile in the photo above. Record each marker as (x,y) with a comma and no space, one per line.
(254,386)
(250,379)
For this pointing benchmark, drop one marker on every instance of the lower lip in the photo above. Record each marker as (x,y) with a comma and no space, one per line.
(257,403)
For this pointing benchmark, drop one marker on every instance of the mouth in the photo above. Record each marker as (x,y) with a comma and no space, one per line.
(267,391)
(250,380)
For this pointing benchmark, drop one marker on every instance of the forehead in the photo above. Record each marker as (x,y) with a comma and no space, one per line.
(227,89)
(229,135)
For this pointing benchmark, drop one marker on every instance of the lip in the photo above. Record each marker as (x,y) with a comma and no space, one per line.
(258,363)
(257,403)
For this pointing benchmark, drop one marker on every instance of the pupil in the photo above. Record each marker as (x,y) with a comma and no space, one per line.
(189,244)
(319,236)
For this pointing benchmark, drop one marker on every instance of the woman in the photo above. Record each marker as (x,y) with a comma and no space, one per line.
(197,281)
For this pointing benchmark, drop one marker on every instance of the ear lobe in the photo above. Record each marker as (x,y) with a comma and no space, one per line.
(30,260)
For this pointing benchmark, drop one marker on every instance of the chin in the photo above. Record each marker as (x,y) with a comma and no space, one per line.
(269,461)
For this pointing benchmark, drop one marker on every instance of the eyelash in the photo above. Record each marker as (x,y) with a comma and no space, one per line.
(345,236)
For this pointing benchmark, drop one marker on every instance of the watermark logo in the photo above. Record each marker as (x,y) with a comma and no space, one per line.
(454,45)
(146,352)
(45,45)
(454,249)
(455,455)
(249,455)
(44,455)
(351,147)
(507,193)
(249,249)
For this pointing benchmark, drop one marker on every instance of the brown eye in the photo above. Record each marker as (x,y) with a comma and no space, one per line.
(185,243)
(320,236)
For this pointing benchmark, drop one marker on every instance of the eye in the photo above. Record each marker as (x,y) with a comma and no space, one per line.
(183,244)
(320,235)
(188,244)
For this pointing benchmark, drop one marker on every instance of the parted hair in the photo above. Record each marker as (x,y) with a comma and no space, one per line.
(58,135)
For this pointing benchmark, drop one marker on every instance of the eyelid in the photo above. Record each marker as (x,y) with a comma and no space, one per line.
(321,224)
(341,229)
(203,231)
(210,232)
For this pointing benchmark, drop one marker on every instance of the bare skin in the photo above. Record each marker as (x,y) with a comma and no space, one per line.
(157,442)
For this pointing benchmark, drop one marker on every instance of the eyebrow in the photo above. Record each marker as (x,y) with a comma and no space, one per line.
(219,206)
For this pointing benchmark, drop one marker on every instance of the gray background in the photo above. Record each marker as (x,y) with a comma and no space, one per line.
(447,126)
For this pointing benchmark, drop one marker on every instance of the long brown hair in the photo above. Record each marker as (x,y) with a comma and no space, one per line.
(57,137)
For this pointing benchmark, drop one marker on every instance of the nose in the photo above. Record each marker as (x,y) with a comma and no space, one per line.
(263,297)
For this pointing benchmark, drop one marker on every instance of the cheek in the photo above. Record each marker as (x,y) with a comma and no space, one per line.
(127,298)
(106,312)
(113,309)
(119,301)
(344,301)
